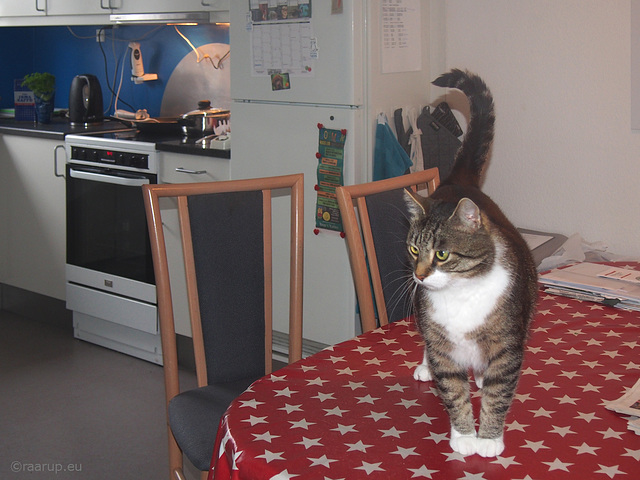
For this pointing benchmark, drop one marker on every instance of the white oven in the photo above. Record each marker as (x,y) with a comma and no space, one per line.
(109,272)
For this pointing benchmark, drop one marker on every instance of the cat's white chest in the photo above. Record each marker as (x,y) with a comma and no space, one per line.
(464,306)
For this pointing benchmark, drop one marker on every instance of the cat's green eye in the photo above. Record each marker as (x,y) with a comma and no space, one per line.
(442,255)
(414,250)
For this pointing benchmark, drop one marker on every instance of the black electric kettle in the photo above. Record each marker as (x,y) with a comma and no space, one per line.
(85,101)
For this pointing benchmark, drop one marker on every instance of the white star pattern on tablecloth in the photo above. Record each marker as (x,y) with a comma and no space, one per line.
(266,436)
(284,475)
(291,408)
(473,476)
(557,464)
(346,371)
(250,403)
(325,396)
(392,432)
(377,415)
(562,431)
(535,446)
(632,453)
(355,385)
(367,399)
(317,381)
(271,456)
(567,399)
(317,416)
(408,403)
(371,467)
(285,392)
(310,442)
(303,423)
(609,471)
(587,417)
(323,460)
(541,412)
(405,452)
(344,429)
(337,411)
(422,472)
(255,420)
(358,446)
(584,448)
(610,433)
(424,418)
(515,426)
(506,462)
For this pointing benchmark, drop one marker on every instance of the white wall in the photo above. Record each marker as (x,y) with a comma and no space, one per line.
(564,158)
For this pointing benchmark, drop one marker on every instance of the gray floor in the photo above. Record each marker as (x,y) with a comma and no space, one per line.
(69,405)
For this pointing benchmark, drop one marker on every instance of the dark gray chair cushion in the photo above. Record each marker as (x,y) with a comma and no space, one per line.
(194,416)
(228,250)
(389,220)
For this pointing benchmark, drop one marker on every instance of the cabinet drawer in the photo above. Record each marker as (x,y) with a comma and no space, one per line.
(123,311)
(192,168)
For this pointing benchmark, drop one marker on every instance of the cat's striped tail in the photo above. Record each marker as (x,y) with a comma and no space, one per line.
(474,151)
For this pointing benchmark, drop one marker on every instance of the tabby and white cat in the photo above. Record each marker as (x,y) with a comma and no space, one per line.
(475,285)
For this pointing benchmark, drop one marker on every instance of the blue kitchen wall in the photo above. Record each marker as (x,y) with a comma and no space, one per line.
(59,51)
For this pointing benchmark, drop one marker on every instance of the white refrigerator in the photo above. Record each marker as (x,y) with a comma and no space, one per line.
(348,81)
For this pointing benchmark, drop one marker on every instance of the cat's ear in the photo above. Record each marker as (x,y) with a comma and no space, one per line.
(417,204)
(468,214)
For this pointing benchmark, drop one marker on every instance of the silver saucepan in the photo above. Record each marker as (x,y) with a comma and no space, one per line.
(203,121)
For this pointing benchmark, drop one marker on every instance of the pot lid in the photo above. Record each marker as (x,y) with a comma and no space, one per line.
(205,110)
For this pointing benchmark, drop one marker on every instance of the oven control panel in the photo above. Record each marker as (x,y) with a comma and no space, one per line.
(111,157)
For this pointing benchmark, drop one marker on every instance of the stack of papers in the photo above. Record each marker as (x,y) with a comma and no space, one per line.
(614,286)
(629,404)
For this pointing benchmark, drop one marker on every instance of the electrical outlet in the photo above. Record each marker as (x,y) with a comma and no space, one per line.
(100,35)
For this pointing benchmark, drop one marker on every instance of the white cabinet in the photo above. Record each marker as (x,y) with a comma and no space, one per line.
(27,8)
(78,7)
(180,168)
(96,12)
(165,6)
(23,8)
(32,215)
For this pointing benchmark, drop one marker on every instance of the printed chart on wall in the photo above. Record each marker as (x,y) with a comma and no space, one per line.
(401,45)
(330,176)
(282,40)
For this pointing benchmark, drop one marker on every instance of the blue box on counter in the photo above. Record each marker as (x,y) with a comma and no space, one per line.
(24,102)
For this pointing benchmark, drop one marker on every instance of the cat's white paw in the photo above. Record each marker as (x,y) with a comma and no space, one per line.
(422,373)
(463,444)
(490,447)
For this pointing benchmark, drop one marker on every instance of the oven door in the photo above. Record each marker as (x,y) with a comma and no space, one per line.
(106,224)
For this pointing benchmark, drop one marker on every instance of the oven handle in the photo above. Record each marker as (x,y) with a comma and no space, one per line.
(105,178)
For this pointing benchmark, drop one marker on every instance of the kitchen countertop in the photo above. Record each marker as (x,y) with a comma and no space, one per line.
(60,127)
(56,130)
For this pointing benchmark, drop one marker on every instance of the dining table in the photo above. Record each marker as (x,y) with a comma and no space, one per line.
(355,411)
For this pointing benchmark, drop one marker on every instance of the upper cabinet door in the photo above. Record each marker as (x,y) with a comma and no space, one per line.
(24,8)
(30,8)
(166,6)
(78,7)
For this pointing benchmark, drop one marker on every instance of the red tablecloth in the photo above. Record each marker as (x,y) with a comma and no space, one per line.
(355,411)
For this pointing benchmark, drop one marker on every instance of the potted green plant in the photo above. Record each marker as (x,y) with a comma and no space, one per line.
(43,86)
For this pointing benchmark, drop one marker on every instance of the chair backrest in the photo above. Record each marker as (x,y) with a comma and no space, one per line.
(375,221)
(225,229)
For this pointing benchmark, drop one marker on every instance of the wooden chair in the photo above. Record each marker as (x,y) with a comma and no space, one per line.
(376,237)
(225,229)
